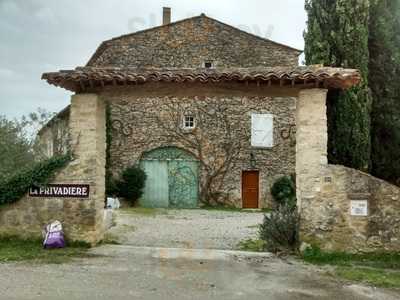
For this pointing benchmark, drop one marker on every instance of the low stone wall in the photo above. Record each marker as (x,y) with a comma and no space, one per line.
(330,222)
(82,218)
(341,209)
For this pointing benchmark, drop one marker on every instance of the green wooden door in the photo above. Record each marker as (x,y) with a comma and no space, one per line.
(172,179)
(156,188)
(182,183)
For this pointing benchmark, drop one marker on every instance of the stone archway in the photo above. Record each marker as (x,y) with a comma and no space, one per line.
(172,178)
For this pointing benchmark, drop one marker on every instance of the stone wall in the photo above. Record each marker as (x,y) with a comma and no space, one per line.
(189,44)
(147,117)
(326,192)
(53,138)
(82,218)
(329,223)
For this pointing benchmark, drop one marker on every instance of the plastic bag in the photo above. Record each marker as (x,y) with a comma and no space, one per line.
(54,236)
(113,203)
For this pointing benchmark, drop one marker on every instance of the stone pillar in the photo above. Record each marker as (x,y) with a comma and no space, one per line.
(88,145)
(311,147)
(82,219)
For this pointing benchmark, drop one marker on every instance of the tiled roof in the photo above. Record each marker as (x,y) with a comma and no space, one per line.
(84,78)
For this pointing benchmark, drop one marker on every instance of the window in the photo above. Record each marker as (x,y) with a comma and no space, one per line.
(208,64)
(188,122)
(262,130)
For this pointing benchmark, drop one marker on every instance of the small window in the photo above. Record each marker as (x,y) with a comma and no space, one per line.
(188,122)
(208,65)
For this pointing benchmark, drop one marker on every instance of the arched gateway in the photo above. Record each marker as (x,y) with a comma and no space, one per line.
(172,178)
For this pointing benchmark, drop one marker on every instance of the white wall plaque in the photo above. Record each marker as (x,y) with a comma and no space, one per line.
(359,207)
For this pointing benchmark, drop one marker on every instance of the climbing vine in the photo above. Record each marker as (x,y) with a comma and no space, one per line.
(14,188)
(110,183)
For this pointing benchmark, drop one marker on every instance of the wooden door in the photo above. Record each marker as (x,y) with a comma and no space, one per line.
(155,192)
(250,190)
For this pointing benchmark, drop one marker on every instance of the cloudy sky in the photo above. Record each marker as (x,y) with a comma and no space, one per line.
(41,35)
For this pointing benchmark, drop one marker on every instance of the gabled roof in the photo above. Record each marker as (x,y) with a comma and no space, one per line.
(84,78)
(108,43)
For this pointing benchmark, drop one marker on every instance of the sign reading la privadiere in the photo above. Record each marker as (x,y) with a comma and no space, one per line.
(60,190)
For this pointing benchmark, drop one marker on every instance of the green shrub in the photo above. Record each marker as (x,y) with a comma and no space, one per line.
(131,184)
(40,173)
(279,229)
(284,191)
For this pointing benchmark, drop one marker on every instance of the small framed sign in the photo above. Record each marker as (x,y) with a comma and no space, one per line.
(359,208)
(60,191)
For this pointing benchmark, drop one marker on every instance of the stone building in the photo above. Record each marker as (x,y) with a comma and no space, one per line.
(206,109)
(213,114)
(214,143)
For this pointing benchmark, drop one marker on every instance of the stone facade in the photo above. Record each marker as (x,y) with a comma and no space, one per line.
(328,221)
(54,136)
(326,192)
(189,44)
(82,218)
(148,117)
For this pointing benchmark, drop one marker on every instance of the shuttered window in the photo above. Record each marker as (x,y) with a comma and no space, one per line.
(262,130)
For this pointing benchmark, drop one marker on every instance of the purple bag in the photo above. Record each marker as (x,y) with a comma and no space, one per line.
(54,236)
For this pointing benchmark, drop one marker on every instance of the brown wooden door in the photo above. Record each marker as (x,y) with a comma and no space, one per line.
(250,189)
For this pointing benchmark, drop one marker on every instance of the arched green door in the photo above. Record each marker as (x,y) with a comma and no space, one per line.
(172,178)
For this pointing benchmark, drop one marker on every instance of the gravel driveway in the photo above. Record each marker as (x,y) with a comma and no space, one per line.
(186,228)
(127,272)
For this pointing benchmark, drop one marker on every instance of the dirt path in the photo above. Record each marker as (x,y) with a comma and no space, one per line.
(189,228)
(126,272)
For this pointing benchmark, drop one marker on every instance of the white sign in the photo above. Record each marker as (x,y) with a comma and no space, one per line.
(262,130)
(359,207)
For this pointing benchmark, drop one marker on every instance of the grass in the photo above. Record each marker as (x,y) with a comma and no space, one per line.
(378,269)
(16,249)
(384,260)
(371,276)
(251,245)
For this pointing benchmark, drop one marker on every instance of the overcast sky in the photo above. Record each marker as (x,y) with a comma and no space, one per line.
(42,35)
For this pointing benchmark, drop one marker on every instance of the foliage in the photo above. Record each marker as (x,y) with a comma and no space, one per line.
(251,245)
(18,145)
(111,188)
(15,187)
(14,148)
(279,229)
(131,184)
(337,35)
(384,65)
(284,191)
(17,249)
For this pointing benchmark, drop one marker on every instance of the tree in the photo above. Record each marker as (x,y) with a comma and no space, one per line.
(15,148)
(18,141)
(337,35)
(384,71)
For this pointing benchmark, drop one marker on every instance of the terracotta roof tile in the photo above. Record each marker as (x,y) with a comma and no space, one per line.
(83,78)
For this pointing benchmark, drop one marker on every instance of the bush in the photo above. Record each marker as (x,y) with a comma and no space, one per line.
(40,173)
(131,184)
(284,191)
(279,229)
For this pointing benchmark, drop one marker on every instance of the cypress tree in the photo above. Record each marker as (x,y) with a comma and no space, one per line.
(337,35)
(384,74)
